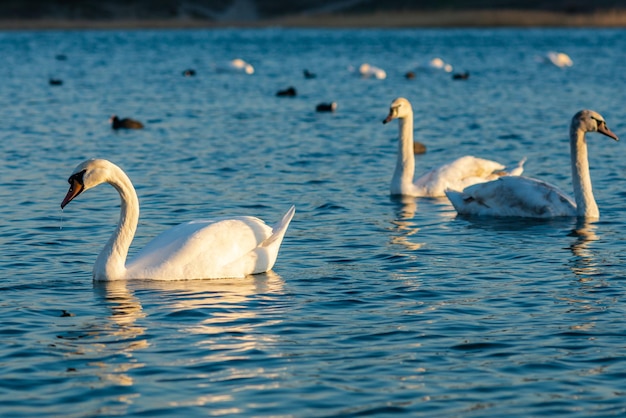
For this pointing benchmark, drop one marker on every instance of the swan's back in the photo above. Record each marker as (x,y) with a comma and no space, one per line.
(233,247)
(457,175)
(513,196)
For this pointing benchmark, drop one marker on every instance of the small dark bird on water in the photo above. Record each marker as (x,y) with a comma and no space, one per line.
(410,75)
(289,92)
(189,72)
(326,107)
(55,82)
(126,123)
(308,74)
(461,76)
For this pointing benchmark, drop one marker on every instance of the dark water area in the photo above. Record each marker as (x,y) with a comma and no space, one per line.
(376,306)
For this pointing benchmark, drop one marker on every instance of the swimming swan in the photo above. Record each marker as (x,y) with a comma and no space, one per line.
(558,59)
(527,197)
(204,249)
(236,66)
(455,175)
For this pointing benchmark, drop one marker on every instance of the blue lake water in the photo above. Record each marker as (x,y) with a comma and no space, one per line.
(376,306)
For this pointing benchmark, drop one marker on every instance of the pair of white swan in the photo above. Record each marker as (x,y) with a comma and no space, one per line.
(476,187)
(204,249)
(530,198)
(456,175)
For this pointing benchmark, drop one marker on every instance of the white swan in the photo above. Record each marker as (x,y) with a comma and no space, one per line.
(558,59)
(366,70)
(455,175)
(439,64)
(526,197)
(204,249)
(236,66)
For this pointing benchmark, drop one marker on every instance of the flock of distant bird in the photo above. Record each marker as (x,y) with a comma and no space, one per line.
(365,70)
(244,245)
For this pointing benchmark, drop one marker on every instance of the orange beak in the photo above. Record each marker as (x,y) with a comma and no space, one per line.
(76,188)
(603,129)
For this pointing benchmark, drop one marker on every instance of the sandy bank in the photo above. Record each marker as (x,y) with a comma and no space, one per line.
(448,19)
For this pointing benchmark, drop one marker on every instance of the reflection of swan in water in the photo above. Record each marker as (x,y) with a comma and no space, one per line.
(125,307)
(403,225)
(224,299)
(587,274)
(101,343)
(194,294)
(583,263)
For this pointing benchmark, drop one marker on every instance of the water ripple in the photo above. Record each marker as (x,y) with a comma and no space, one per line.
(376,305)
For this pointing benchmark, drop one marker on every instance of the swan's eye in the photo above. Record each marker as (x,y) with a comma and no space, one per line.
(76,178)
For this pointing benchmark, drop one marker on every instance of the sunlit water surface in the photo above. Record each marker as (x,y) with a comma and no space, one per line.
(376,306)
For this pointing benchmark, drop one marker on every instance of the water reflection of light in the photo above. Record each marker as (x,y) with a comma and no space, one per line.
(225,298)
(403,225)
(121,334)
(125,307)
(196,294)
(227,331)
(583,263)
(584,266)
(212,400)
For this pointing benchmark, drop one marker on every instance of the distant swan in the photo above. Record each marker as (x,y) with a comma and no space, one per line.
(439,64)
(455,175)
(558,59)
(527,197)
(237,65)
(204,249)
(367,70)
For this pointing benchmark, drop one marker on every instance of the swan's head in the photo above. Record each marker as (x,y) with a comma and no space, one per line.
(86,175)
(590,121)
(400,108)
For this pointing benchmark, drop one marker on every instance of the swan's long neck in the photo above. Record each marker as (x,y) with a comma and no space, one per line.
(585,203)
(111,262)
(405,165)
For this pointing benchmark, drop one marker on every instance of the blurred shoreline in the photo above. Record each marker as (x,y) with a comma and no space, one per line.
(412,19)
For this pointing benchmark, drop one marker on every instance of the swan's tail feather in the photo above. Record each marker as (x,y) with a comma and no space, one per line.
(279,229)
(267,252)
(263,257)
(517,171)
(456,198)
